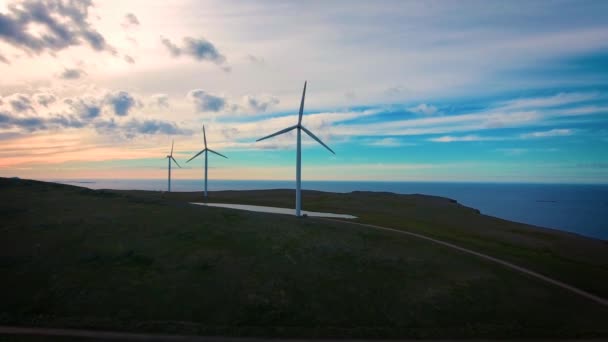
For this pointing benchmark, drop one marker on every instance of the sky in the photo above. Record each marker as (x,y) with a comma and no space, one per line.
(461,91)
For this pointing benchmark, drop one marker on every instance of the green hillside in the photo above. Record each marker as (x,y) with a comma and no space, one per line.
(145,261)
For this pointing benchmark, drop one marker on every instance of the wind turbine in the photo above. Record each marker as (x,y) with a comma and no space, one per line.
(206,150)
(300,128)
(169,158)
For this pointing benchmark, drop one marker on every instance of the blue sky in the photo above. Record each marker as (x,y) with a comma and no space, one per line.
(486,91)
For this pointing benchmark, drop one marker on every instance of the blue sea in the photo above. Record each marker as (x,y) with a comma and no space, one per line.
(581,209)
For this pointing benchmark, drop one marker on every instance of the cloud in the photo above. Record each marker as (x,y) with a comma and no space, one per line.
(121,102)
(106,126)
(128,129)
(4,60)
(37,26)
(260,103)
(45,99)
(551,133)
(86,109)
(549,101)
(395,91)
(4,118)
(26,123)
(423,109)
(542,134)
(20,103)
(134,127)
(90,111)
(72,74)
(201,49)
(448,138)
(152,127)
(174,50)
(34,123)
(129,59)
(510,119)
(198,48)
(387,142)
(130,21)
(160,100)
(97,41)
(205,102)
(230,132)
(66,121)
(494,117)
(255,60)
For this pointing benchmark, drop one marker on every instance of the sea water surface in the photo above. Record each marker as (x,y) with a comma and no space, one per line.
(581,209)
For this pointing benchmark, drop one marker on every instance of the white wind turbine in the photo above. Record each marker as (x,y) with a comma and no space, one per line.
(300,128)
(169,158)
(206,150)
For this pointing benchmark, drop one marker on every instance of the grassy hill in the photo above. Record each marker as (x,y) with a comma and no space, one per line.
(146,261)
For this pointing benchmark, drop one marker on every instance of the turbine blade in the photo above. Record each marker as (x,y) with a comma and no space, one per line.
(204,136)
(302,104)
(172,142)
(219,154)
(317,139)
(279,132)
(176,163)
(196,155)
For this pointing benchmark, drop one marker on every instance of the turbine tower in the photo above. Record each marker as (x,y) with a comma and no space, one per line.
(170,158)
(300,128)
(206,150)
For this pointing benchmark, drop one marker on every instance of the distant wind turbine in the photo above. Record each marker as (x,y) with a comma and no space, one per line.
(170,158)
(300,128)
(206,150)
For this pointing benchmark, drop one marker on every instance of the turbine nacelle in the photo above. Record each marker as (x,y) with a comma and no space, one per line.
(170,156)
(299,126)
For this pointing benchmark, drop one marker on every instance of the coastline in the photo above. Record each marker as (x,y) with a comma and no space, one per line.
(576,208)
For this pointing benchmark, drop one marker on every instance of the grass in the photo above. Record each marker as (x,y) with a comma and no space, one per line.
(574,259)
(150,262)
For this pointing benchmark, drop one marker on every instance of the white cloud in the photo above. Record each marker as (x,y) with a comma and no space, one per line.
(551,133)
(549,101)
(583,110)
(159,100)
(388,142)
(423,109)
(448,138)
(470,122)
(259,103)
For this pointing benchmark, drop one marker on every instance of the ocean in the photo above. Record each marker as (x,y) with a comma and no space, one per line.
(581,209)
